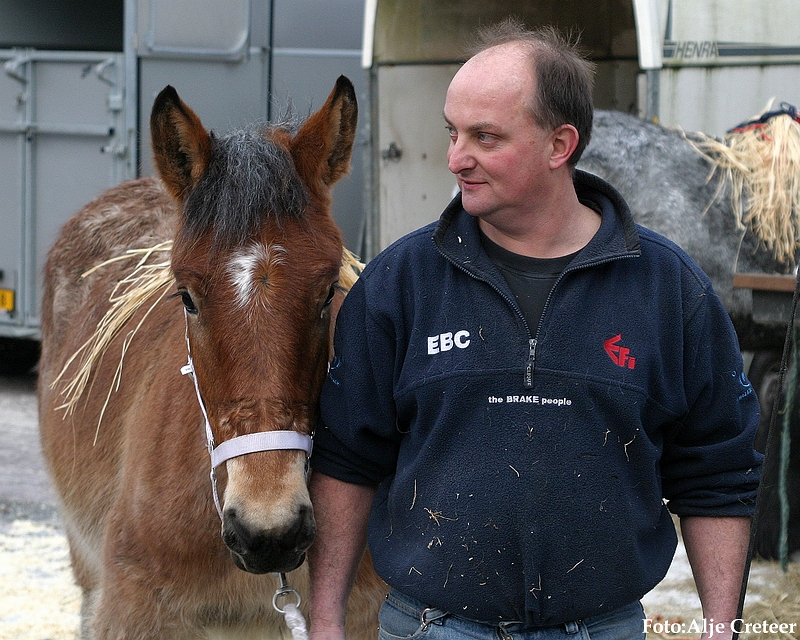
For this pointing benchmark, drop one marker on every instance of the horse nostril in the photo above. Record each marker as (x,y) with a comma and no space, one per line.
(301,532)
(305,529)
(235,533)
(303,512)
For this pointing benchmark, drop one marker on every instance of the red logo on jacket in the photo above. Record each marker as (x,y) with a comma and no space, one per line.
(620,356)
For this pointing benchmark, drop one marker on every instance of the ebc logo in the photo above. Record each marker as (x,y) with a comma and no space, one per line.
(446,341)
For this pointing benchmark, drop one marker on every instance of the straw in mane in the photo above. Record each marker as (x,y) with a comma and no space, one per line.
(148,282)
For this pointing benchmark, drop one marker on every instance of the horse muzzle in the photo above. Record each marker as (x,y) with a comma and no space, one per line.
(258,550)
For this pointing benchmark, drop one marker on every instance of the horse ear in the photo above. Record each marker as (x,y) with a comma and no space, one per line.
(322,148)
(181,145)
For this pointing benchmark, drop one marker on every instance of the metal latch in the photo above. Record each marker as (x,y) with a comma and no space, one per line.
(13,68)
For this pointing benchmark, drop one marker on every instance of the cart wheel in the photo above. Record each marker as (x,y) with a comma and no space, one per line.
(18,355)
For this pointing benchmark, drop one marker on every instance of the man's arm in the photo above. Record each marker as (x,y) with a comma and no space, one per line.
(341,511)
(717,551)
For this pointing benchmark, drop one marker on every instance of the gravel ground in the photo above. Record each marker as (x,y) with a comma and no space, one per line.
(39,601)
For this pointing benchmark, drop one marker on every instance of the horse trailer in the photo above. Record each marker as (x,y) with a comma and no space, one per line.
(76,90)
(79,80)
(702,65)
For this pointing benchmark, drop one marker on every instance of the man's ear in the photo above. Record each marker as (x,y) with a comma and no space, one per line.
(565,140)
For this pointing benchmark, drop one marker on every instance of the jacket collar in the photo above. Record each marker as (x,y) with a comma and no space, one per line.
(458,238)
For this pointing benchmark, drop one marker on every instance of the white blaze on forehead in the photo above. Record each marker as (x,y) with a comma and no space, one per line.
(248,266)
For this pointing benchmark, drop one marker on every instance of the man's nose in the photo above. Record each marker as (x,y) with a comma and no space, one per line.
(458,157)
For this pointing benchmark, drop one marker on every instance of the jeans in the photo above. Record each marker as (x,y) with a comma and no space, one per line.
(403,618)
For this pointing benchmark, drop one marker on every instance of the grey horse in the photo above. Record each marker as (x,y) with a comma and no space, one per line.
(665,182)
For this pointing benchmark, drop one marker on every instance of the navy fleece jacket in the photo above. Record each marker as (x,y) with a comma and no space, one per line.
(523,471)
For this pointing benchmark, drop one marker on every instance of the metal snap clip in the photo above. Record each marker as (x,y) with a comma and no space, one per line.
(285,592)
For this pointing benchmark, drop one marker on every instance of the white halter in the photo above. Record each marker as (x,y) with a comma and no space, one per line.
(239,446)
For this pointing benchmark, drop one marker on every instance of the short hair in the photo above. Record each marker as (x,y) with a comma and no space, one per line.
(564,76)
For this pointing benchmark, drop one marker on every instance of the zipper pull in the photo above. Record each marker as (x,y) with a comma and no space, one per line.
(530,364)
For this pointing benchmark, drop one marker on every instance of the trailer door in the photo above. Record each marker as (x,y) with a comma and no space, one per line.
(63,141)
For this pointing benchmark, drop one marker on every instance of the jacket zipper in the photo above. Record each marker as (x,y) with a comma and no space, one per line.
(530,363)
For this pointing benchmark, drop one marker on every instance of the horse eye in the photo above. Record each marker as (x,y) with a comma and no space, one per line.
(326,305)
(188,303)
(331,293)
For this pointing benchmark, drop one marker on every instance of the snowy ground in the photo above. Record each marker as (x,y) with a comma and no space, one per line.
(769,590)
(38,599)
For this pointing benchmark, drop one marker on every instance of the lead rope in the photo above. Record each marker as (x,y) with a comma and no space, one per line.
(291,610)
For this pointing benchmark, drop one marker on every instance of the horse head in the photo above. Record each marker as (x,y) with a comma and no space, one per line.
(256,261)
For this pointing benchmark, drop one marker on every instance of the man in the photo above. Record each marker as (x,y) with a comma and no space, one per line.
(518,389)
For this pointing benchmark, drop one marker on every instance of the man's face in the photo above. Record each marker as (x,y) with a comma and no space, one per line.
(498,154)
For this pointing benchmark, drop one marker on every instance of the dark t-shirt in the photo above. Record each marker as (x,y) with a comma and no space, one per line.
(530,279)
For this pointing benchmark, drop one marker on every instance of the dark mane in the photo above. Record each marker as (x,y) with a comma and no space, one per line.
(249,177)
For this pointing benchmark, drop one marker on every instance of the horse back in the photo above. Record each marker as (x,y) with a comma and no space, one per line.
(138,213)
(83,453)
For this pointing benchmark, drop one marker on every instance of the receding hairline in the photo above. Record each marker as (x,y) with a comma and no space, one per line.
(525,62)
(512,30)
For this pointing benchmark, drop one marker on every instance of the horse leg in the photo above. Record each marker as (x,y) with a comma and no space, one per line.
(86,580)
(88,606)
(131,601)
